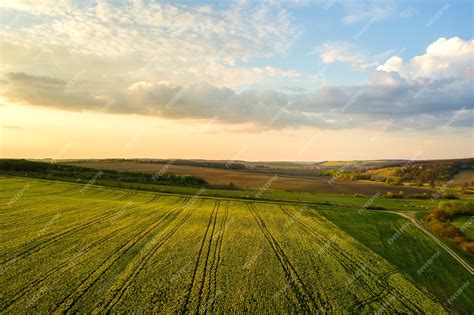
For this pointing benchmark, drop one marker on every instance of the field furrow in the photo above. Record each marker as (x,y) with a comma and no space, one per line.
(74,296)
(299,288)
(123,285)
(202,255)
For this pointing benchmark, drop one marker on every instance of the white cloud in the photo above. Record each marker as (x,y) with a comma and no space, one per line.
(140,86)
(331,52)
(339,52)
(394,64)
(361,10)
(155,41)
(444,58)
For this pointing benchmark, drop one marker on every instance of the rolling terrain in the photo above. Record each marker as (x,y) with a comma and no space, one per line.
(255,180)
(73,247)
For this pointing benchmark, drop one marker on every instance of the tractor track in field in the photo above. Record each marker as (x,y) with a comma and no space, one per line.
(196,265)
(465,264)
(381,281)
(17,189)
(385,291)
(338,254)
(217,258)
(59,236)
(25,204)
(62,267)
(55,209)
(155,198)
(54,236)
(303,295)
(127,195)
(142,264)
(70,300)
(206,263)
(360,304)
(62,195)
(47,215)
(26,196)
(104,194)
(60,211)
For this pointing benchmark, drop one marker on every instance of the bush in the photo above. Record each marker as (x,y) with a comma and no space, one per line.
(419,196)
(393,181)
(449,195)
(372,207)
(468,246)
(457,207)
(400,195)
(438,222)
(438,215)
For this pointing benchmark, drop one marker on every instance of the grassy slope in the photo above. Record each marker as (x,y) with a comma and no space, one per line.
(332,199)
(409,252)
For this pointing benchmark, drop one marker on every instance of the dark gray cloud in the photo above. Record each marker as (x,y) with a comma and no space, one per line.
(385,96)
(47,91)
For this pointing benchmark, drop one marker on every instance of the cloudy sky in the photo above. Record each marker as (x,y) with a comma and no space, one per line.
(258,80)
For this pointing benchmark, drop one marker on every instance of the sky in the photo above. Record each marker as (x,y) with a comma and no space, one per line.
(302,80)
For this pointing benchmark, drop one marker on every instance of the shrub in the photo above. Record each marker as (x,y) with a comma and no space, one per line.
(419,196)
(372,207)
(233,186)
(457,207)
(449,195)
(468,246)
(436,227)
(438,222)
(459,239)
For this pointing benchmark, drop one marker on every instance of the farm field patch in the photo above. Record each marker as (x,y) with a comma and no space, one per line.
(75,248)
(255,180)
(463,177)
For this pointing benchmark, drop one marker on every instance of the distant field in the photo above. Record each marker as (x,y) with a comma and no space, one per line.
(288,165)
(77,248)
(463,177)
(361,163)
(257,180)
(385,172)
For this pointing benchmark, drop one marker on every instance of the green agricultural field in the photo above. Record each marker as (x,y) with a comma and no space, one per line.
(81,248)
(411,251)
(465,225)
